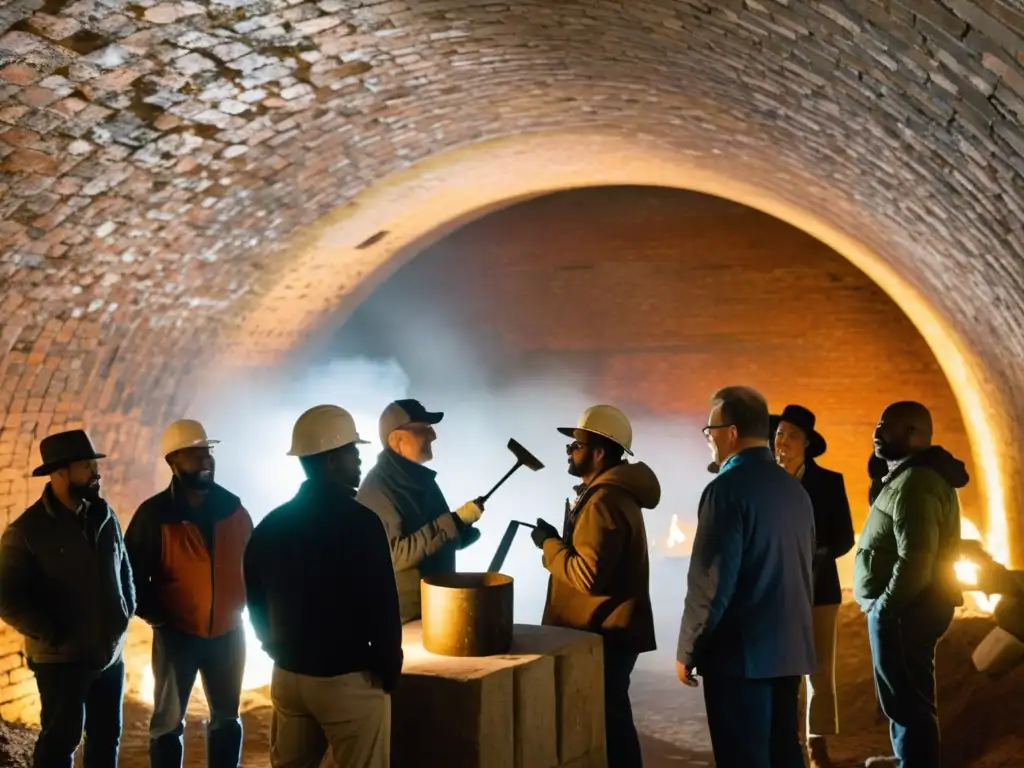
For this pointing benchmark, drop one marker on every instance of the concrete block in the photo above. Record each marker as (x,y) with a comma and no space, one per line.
(452,720)
(595,758)
(579,684)
(535,713)
(479,712)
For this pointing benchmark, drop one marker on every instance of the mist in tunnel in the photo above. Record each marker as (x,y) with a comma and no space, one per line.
(447,371)
(643,298)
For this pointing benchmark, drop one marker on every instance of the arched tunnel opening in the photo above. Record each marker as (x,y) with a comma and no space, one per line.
(214,208)
(646,297)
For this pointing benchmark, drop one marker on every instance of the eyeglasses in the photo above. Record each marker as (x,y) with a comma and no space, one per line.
(707,430)
(575,445)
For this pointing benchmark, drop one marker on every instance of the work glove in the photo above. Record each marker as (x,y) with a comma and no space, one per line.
(468,536)
(543,532)
(469,512)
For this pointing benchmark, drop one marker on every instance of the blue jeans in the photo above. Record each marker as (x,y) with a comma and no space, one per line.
(75,697)
(178,658)
(903,657)
(754,723)
(623,743)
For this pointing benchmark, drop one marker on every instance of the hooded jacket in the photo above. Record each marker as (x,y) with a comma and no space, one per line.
(600,569)
(911,541)
(422,531)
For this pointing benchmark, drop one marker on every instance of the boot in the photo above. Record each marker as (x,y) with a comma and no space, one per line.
(817,753)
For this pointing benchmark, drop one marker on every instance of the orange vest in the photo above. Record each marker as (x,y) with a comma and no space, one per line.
(203,592)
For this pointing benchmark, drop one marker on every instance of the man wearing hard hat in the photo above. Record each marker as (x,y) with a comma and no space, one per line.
(424,533)
(600,570)
(323,602)
(186,546)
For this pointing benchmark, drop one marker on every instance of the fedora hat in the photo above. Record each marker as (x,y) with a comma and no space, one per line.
(803,418)
(64,448)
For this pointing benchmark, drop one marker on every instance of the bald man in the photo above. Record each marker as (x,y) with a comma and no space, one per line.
(904,579)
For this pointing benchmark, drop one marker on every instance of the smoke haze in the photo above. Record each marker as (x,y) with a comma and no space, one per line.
(447,370)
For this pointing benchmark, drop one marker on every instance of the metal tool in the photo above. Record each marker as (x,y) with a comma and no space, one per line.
(523,459)
(506,544)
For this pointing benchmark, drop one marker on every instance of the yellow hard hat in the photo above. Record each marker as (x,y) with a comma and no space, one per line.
(323,428)
(184,433)
(607,421)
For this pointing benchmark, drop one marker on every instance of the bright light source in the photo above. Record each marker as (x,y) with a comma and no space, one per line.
(967,572)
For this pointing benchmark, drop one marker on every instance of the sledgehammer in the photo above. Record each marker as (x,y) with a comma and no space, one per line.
(523,459)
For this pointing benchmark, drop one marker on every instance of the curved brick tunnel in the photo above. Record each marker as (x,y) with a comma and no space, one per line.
(184,183)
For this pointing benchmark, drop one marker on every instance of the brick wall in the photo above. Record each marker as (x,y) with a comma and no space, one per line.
(156,159)
(694,293)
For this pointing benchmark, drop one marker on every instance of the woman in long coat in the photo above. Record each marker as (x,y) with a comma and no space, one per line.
(796,446)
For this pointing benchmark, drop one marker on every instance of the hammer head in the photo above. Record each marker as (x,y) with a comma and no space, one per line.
(523,456)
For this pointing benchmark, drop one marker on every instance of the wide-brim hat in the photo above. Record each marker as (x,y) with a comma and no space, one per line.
(803,418)
(608,422)
(64,448)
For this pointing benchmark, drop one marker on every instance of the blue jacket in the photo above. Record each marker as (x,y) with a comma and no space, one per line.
(749,589)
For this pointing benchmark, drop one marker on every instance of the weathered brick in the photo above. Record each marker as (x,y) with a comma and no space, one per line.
(227,132)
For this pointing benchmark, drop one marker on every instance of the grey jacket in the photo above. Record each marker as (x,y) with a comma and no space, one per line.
(66,584)
(422,531)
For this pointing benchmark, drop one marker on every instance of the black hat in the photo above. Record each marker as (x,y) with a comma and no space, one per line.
(402,412)
(64,448)
(801,417)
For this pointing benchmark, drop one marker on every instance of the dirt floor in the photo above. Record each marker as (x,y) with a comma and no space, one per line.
(980,716)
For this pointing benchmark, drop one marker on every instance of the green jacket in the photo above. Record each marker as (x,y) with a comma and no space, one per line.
(911,540)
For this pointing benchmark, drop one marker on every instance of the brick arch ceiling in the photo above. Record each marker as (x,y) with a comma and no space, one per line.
(186,180)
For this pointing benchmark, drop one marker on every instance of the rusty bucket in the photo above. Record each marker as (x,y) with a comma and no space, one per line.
(467,614)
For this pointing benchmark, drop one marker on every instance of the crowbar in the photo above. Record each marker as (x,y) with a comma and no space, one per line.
(506,545)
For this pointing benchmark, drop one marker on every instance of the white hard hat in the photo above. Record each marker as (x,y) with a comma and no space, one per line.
(323,428)
(184,433)
(607,421)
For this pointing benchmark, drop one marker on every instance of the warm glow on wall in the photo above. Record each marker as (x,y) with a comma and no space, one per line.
(329,275)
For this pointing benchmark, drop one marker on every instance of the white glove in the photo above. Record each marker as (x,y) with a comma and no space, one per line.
(469,512)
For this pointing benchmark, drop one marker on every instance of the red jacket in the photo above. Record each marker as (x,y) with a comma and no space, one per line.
(187,563)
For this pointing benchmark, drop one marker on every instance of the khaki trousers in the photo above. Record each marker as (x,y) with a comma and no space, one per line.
(822,712)
(332,722)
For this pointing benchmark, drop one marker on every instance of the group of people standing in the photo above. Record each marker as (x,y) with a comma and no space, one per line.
(763,589)
(760,613)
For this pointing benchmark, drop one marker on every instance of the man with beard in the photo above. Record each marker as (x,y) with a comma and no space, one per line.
(600,570)
(904,577)
(746,626)
(186,546)
(66,585)
(323,602)
(424,533)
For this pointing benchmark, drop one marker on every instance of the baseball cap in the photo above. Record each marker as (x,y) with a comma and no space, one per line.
(402,412)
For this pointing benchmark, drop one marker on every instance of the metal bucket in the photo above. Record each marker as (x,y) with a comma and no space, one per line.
(467,614)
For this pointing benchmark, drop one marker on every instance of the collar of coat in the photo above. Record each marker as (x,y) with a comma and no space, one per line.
(398,470)
(757,453)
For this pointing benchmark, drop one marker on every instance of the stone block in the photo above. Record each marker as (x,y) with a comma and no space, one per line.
(481,711)
(579,684)
(595,758)
(535,713)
